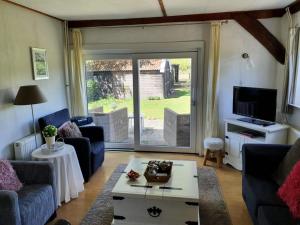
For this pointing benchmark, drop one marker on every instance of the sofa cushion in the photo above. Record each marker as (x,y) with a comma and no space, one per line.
(69,130)
(287,163)
(9,180)
(289,192)
(36,201)
(260,192)
(274,215)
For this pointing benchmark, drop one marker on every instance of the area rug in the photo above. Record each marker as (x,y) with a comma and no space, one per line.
(212,207)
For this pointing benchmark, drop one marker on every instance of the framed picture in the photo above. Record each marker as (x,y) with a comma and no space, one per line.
(39,64)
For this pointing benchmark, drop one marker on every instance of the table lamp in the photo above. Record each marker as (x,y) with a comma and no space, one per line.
(30,95)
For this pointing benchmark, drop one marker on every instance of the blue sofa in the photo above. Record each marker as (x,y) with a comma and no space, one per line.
(35,203)
(89,148)
(259,189)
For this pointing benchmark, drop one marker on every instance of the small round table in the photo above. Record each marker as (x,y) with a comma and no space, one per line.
(69,179)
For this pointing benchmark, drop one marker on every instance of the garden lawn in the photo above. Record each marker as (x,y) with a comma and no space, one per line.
(151,109)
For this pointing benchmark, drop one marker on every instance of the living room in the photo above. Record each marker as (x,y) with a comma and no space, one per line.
(159,80)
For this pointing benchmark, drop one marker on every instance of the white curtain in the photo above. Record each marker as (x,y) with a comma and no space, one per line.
(290,66)
(78,89)
(212,115)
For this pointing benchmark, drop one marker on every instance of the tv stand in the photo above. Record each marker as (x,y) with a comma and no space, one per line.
(256,121)
(238,132)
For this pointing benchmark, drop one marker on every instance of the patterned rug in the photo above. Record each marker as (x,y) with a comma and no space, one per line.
(212,207)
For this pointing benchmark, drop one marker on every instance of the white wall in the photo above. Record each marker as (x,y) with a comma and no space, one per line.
(21,29)
(234,41)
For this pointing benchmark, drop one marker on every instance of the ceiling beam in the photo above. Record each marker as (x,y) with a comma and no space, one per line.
(262,34)
(33,10)
(294,7)
(257,14)
(162,7)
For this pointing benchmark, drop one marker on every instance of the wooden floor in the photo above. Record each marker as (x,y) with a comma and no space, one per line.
(230,180)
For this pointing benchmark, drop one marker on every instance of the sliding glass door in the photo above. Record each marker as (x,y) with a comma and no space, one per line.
(166,102)
(144,101)
(109,85)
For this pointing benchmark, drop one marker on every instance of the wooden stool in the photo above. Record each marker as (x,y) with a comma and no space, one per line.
(214,147)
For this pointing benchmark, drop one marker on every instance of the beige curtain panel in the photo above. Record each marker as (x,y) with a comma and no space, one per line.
(212,114)
(78,98)
(290,66)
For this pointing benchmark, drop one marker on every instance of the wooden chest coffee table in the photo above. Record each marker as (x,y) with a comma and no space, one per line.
(171,203)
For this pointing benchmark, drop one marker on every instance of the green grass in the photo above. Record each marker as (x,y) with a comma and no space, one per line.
(151,109)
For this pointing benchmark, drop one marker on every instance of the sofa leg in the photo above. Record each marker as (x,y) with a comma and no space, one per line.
(52,217)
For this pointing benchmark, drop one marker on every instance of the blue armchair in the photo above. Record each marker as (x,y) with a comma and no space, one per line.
(89,148)
(35,203)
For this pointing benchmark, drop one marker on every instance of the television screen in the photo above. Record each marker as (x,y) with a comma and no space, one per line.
(258,103)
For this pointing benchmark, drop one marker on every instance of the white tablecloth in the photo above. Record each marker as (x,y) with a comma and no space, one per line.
(69,179)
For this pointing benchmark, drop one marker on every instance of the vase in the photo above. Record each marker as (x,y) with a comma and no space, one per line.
(50,141)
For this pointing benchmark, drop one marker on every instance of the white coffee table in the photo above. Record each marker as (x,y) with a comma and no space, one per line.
(69,179)
(174,202)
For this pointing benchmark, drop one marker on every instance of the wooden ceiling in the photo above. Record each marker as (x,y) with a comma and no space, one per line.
(248,19)
(124,9)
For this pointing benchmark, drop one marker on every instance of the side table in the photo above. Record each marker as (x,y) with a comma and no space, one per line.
(69,179)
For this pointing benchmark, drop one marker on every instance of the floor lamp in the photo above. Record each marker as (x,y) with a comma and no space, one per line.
(30,95)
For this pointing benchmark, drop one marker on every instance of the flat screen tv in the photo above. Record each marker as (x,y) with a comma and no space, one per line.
(257,103)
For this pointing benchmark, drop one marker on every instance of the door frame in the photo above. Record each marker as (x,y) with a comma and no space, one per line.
(173,48)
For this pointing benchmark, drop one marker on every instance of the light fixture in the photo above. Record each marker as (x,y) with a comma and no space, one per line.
(30,95)
(249,62)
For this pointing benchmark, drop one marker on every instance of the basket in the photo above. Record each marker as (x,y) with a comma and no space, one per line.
(158,171)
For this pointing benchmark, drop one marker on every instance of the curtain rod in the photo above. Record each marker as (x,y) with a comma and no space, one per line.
(158,25)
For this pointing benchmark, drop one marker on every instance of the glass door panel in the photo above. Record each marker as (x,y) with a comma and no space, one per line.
(165,100)
(109,84)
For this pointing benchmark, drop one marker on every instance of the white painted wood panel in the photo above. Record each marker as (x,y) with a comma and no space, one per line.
(177,204)
(294,134)
(234,140)
(172,212)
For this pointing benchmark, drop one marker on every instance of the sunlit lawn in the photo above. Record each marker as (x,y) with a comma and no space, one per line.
(151,109)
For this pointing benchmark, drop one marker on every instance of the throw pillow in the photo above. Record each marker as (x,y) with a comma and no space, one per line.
(289,192)
(8,178)
(69,130)
(287,163)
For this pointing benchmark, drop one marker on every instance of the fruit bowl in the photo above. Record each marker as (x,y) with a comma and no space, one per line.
(133,175)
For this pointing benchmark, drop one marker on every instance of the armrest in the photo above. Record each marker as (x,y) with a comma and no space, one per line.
(261,160)
(80,144)
(83,150)
(9,210)
(31,172)
(94,133)
(82,120)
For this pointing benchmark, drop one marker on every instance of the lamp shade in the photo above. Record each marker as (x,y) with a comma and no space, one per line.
(29,95)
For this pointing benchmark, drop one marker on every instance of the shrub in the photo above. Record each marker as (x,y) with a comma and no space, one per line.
(92,90)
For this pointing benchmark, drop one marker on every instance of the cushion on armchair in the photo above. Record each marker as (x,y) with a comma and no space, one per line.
(69,130)
(8,178)
(287,163)
(289,192)
(36,201)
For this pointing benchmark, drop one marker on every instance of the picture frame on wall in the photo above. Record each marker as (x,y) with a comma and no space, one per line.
(39,64)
